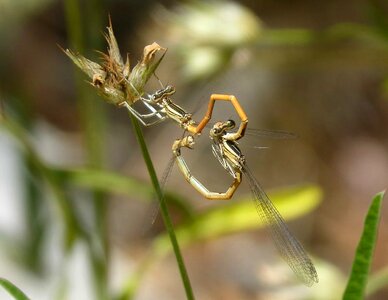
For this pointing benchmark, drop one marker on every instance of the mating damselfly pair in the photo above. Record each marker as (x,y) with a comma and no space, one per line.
(122,86)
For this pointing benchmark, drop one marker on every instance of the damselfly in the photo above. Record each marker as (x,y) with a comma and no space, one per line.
(229,155)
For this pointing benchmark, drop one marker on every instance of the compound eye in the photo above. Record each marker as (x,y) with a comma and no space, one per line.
(215,131)
(230,124)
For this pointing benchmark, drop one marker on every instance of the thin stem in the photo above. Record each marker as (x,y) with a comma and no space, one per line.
(93,123)
(95,10)
(163,208)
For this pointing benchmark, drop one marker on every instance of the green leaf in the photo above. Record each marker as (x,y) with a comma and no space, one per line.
(355,288)
(237,216)
(104,181)
(110,182)
(13,290)
(231,217)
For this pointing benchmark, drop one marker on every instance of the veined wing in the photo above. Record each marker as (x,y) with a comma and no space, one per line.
(288,246)
(217,153)
(270,134)
(162,183)
(266,133)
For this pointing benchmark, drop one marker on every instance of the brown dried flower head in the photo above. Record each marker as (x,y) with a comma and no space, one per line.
(112,77)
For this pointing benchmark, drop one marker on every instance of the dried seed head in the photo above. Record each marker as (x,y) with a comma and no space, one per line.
(112,78)
(98,81)
(150,51)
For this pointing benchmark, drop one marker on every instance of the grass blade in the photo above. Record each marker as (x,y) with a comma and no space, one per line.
(13,290)
(238,216)
(355,288)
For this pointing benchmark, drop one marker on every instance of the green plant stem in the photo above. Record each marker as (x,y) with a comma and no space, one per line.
(163,208)
(94,10)
(73,24)
(92,121)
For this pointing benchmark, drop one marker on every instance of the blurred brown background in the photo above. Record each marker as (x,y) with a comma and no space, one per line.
(315,68)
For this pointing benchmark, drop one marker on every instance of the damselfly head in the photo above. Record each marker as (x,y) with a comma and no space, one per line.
(219,128)
(161,94)
(216,130)
(169,90)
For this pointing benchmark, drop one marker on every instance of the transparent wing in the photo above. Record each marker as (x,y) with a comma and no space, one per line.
(270,134)
(265,133)
(162,183)
(216,150)
(217,153)
(288,246)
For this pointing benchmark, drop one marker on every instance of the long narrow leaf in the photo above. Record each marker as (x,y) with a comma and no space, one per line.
(104,181)
(232,217)
(237,216)
(110,182)
(13,290)
(355,288)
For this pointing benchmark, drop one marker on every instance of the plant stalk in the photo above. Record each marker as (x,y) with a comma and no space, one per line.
(92,122)
(163,208)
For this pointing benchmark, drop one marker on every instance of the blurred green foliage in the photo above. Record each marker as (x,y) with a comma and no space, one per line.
(239,216)
(208,50)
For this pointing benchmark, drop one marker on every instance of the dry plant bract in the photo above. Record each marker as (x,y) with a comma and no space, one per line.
(113,78)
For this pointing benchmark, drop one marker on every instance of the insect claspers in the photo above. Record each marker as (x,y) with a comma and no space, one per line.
(229,155)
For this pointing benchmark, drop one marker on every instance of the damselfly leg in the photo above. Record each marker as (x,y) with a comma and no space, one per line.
(155,115)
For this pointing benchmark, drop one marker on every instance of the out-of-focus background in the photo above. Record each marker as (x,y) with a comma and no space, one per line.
(74,223)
